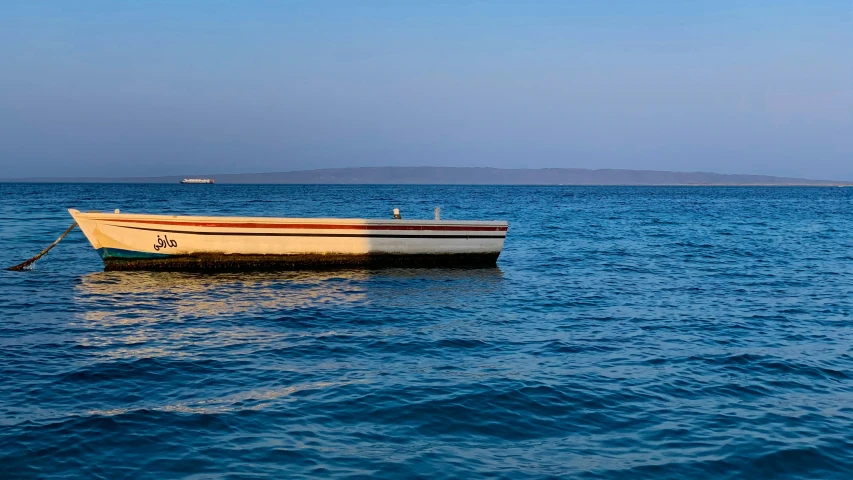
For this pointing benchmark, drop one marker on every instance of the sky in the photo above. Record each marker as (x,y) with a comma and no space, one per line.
(172,87)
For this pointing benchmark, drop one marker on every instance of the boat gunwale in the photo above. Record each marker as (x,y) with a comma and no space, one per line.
(106,216)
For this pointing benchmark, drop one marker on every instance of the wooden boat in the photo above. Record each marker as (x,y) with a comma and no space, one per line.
(163,242)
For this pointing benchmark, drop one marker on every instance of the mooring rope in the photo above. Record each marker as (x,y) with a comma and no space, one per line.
(30,262)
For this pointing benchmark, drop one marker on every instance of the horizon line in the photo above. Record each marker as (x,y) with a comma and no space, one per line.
(746,180)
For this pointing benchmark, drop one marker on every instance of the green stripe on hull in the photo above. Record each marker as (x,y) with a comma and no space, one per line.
(118,253)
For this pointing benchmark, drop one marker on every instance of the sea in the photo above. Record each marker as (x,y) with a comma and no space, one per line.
(625,333)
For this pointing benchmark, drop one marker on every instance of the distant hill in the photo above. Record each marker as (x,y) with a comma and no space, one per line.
(464,176)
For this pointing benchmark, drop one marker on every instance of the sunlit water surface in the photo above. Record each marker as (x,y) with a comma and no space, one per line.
(626,333)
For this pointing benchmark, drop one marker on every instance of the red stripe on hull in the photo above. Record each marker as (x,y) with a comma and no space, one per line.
(314,226)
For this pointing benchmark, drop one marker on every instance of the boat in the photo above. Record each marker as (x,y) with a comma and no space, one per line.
(197,180)
(194,243)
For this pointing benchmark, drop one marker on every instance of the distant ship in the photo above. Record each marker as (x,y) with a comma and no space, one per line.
(196,180)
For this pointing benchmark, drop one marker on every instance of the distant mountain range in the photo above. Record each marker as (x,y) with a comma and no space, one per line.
(464,176)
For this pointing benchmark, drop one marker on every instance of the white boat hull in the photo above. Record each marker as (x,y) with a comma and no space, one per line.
(129,241)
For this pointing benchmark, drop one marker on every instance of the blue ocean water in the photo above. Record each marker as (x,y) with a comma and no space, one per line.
(627,332)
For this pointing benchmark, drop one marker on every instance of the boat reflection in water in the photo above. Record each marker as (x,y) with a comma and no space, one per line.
(231,308)
(200,295)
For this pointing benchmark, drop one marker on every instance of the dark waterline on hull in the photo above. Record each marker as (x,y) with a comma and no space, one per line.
(246,263)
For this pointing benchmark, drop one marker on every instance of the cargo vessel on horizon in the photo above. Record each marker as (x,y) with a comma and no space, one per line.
(197,180)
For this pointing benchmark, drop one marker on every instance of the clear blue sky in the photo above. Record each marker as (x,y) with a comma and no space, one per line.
(181,87)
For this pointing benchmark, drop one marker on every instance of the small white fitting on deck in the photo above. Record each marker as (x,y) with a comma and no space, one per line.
(438,213)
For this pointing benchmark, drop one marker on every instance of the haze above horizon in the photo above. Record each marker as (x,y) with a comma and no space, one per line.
(99,88)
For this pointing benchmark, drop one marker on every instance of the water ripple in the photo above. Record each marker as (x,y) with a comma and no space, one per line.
(626,333)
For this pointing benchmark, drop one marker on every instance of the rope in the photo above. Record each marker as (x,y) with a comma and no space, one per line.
(28,264)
